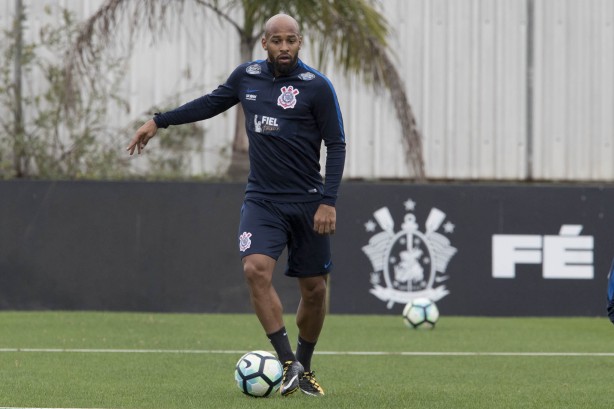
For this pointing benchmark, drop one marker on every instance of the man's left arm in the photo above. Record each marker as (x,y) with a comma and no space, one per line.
(330,121)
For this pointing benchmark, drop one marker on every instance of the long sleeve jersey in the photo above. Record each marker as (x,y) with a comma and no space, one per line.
(286,119)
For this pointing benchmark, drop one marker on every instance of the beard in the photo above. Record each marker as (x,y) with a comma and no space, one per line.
(285,67)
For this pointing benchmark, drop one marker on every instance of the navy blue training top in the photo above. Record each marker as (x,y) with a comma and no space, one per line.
(286,118)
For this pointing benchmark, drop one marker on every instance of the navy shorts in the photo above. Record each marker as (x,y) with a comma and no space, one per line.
(268,227)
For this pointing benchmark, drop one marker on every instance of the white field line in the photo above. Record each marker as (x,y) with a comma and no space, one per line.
(360,353)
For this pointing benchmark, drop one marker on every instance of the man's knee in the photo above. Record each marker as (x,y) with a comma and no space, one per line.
(313,290)
(258,269)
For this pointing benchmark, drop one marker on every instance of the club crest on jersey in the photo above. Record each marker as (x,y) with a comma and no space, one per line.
(287,99)
(244,241)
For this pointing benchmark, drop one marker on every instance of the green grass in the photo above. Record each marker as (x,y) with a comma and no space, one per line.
(168,380)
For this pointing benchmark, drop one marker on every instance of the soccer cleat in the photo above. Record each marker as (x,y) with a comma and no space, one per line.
(309,385)
(293,371)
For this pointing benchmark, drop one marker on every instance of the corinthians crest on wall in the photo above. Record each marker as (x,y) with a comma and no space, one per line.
(410,262)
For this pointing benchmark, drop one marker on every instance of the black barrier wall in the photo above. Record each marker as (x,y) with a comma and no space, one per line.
(475,249)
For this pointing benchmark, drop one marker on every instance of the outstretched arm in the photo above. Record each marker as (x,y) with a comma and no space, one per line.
(142,136)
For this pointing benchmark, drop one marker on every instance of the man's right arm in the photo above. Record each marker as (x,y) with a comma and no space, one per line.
(142,136)
(201,108)
(205,107)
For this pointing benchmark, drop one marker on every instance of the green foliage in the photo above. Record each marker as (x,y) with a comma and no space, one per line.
(67,132)
(64,134)
(187,360)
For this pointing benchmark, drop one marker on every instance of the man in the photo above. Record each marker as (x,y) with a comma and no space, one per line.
(290,108)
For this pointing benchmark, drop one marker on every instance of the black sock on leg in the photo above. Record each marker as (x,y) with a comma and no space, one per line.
(304,352)
(281,344)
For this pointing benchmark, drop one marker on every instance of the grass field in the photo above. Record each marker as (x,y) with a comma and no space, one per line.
(167,361)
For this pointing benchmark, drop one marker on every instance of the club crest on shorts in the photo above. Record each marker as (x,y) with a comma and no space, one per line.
(287,99)
(408,263)
(244,241)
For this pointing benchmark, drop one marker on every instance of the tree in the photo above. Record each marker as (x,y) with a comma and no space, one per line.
(38,139)
(16,51)
(351,32)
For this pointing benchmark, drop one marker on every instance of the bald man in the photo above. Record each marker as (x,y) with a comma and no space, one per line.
(290,110)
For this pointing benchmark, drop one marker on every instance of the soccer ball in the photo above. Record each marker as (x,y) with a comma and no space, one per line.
(420,313)
(258,374)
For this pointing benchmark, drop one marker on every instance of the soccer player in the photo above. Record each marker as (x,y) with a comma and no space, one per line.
(290,109)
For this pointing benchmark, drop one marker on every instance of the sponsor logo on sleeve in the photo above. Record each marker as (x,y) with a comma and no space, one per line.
(307,76)
(253,69)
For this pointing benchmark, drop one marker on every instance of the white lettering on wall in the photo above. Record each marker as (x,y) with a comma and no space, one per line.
(564,256)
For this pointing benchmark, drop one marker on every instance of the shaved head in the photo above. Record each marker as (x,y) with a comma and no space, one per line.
(281,22)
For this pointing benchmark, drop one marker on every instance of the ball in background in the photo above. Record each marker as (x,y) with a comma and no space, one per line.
(258,374)
(420,313)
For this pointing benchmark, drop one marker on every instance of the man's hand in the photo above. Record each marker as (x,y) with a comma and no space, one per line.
(142,136)
(325,219)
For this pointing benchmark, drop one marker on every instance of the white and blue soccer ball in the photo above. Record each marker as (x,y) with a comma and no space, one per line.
(420,313)
(258,374)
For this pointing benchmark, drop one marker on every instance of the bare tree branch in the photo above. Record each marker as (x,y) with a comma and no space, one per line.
(221,14)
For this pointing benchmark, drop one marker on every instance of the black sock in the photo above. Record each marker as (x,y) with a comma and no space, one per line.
(282,346)
(304,352)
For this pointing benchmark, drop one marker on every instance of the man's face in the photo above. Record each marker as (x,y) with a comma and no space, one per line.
(282,45)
